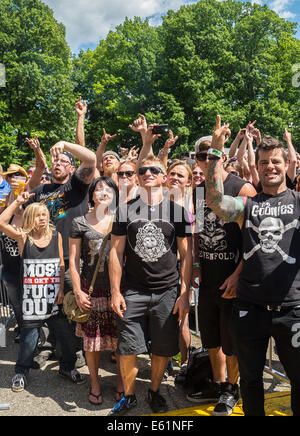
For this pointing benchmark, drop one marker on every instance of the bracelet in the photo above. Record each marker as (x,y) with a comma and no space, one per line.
(198,265)
(214,152)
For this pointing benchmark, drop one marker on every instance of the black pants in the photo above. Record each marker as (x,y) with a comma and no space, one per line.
(252,326)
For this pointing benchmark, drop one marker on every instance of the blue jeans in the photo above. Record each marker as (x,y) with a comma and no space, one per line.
(29,340)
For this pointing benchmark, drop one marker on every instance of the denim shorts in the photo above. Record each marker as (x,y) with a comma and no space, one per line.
(149,317)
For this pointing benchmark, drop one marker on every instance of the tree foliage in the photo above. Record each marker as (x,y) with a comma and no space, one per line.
(231,57)
(39,91)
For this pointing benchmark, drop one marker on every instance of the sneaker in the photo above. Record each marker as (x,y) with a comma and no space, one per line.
(19,383)
(73,375)
(207,395)
(124,405)
(157,402)
(80,360)
(40,360)
(228,400)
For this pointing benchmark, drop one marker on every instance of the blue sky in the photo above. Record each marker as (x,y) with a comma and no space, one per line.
(88,21)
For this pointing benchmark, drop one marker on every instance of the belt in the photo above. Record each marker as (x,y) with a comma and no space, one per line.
(280,308)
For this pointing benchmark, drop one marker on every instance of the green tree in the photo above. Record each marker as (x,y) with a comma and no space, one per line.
(38,97)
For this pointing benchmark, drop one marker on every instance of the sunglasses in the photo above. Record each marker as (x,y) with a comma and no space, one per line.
(153,170)
(196,173)
(125,173)
(15,175)
(201,156)
(235,173)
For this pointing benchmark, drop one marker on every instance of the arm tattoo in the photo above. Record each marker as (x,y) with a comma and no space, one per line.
(84,174)
(226,207)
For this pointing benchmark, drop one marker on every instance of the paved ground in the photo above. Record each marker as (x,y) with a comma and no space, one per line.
(50,395)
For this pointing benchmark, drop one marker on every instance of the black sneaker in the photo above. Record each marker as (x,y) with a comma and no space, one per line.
(157,402)
(124,405)
(229,397)
(207,395)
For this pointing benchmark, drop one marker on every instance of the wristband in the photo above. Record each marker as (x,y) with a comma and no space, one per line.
(214,152)
(197,265)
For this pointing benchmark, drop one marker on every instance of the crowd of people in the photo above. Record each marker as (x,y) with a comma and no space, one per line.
(225,221)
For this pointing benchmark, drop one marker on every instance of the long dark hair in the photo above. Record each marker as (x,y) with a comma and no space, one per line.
(109,182)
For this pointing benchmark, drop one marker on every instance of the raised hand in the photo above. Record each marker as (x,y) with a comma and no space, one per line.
(106,137)
(23,197)
(81,107)
(133,153)
(56,150)
(287,136)
(33,143)
(220,135)
(139,125)
(171,140)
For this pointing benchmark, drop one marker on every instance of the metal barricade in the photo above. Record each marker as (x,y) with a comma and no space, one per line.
(6,314)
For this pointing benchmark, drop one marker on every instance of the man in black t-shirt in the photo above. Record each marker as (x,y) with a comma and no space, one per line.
(268,297)
(66,198)
(147,234)
(217,252)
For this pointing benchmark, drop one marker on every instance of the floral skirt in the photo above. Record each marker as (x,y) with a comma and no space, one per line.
(99,333)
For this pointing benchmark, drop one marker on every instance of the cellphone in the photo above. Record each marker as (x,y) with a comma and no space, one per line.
(161,129)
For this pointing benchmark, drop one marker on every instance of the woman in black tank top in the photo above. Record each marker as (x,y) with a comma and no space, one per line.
(42,264)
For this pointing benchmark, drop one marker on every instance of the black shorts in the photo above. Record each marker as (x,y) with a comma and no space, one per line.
(149,317)
(214,314)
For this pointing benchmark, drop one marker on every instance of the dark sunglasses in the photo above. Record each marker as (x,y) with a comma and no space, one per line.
(125,173)
(201,156)
(153,170)
(15,174)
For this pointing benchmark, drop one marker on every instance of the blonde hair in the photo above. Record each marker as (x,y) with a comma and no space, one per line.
(183,164)
(28,223)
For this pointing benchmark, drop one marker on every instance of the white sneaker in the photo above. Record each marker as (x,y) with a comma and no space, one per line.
(19,383)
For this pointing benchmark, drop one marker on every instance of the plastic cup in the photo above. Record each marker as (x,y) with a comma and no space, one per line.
(3,199)
(21,182)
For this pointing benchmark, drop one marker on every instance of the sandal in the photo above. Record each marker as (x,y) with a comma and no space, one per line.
(97,398)
(119,394)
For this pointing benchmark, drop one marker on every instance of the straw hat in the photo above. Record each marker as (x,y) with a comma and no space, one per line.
(14,168)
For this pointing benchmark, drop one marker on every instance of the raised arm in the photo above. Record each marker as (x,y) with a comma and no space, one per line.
(13,232)
(251,159)
(226,207)
(234,146)
(291,172)
(87,158)
(81,110)
(164,152)
(106,137)
(40,164)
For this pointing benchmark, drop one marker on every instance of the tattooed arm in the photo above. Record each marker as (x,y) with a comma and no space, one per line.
(226,207)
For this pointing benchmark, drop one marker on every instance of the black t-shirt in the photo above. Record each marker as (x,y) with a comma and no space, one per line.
(41,282)
(271,241)
(151,245)
(64,202)
(219,243)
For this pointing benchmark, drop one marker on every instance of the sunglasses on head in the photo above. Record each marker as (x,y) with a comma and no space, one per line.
(153,170)
(125,173)
(201,156)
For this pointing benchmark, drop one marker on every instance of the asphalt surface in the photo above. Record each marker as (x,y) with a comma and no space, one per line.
(48,394)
